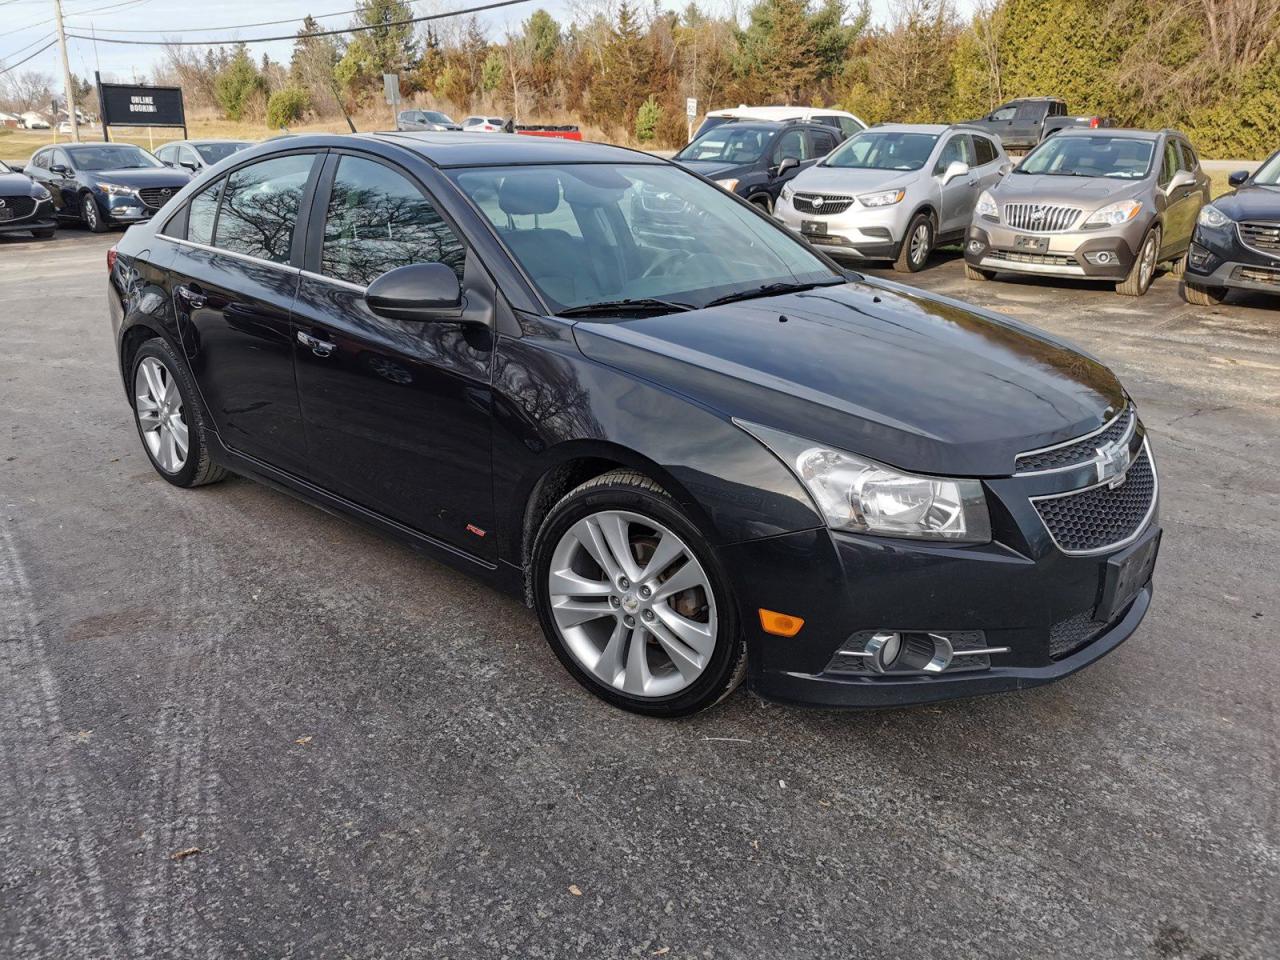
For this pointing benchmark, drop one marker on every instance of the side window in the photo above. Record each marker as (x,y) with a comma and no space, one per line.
(60,156)
(377,220)
(790,144)
(848,127)
(959,147)
(1189,161)
(984,150)
(823,142)
(828,120)
(41,160)
(260,207)
(187,155)
(1169,164)
(204,207)
(1032,110)
(1005,113)
(165,154)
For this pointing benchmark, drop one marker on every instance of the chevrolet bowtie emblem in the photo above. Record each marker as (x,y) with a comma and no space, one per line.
(1113,462)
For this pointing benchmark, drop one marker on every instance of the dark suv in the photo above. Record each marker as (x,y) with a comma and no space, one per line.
(1236,244)
(754,158)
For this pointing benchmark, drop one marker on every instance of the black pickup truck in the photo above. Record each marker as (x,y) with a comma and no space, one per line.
(1021,124)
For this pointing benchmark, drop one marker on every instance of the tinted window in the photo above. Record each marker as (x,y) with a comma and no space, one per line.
(260,207)
(984,150)
(1170,162)
(200,219)
(41,160)
(1188,161)
(828,120)
(1032,111)
(377,221)
(823,143)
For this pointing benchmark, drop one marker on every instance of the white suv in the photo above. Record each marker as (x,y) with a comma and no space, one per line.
(846,123)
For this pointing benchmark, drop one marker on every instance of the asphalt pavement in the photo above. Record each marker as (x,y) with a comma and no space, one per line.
(232,725)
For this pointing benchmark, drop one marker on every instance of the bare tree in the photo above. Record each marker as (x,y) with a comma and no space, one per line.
(25,90)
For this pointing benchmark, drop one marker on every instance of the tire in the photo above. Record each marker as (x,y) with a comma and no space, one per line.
(973,273)
(1143,270)
(1178,268)
(157,371)
(763,202)
(1203,296)
(919,238)
(91,215)
(43,234)
(594,620)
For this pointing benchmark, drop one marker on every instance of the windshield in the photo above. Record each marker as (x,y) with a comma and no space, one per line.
(213,152)
(730,144)
(435,117)
(597,233)
(1124,158)
(883,150)
(4,167)
(1268,174)
(112,157)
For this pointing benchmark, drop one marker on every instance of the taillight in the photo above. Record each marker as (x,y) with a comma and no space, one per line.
(1094,121)
(111,259)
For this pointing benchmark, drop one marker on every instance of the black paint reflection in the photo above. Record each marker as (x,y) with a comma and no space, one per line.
(260,207)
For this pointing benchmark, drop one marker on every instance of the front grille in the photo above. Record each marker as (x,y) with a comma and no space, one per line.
(1068,636)
(21,207)
(821,203)
(1256,274)
(1261,236)
(1077,451)
(1049,259)
(1100,517)
(157,197)
(1040,217)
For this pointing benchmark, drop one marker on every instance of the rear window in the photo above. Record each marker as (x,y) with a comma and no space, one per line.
(204,207)
(985,150)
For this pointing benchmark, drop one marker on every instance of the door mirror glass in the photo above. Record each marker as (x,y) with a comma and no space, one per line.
(956,168)
(787,164)
(419,291)
(1236,179)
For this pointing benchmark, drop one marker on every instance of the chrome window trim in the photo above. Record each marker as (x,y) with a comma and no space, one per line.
(1248,246)
(1128,436)
(286,267)
(336,281)
(1138,531)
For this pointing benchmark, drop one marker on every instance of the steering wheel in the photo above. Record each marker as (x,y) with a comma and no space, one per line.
(666,258)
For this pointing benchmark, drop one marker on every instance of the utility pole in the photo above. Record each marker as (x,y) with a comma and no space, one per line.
(66,75)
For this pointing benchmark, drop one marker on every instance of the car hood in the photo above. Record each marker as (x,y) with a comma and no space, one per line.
(143,177)
(15,185)
(1252,202)
(714,169)
(917,381)
(848,180)
(1086,192)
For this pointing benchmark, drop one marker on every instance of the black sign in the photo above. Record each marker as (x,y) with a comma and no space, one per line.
(136,106)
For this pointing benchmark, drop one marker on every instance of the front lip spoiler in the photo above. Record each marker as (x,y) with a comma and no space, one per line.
(816,690)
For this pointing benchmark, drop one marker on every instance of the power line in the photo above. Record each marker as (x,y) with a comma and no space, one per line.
(294,36)
(27,26)
(240,26)
(113,6)
(15,66)
(14,53)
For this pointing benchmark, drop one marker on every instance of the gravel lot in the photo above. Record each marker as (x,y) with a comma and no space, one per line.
(232,725)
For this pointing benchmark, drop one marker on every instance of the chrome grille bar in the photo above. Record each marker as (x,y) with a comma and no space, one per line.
(1040,217)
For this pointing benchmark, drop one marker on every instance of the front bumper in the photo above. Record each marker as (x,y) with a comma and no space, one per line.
(1218,258)
(40,218)
(993,246)
(1055,612)
(865,233)
(125,208)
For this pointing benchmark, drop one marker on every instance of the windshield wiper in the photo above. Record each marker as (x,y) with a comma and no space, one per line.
(769,289)
(630,305)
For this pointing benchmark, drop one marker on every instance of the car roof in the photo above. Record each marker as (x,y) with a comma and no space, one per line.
(1128,132)
(460,149)
(934,128)
(778,113)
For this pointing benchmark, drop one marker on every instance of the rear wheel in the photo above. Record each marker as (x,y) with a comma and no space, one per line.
(973,273)
(43,234)
(916,245)
(1143,270)
(1178,267)
(632,599)
(168,420)
(763,202)
(91,215)
(1202,296)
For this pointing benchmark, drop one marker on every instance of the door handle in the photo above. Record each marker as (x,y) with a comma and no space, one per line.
(192,296)
(321,348)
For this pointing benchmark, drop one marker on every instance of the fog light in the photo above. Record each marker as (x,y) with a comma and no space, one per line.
(975,246)
(1102,258)
(884,649)
(1198,256)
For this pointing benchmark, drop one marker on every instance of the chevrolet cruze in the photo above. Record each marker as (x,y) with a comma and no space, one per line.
(704,459)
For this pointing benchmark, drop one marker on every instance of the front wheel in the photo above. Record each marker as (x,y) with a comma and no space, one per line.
(1143,270)
(916,245)
(46,234)
(633,601)
(973,273)
(1202,296)
(91,215)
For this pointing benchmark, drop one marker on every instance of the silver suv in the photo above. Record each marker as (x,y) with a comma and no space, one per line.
(893,192)
(1106,204)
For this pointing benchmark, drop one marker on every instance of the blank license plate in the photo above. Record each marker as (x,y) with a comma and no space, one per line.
(1125,574)
(814,227)
(6,214)
(1031,244)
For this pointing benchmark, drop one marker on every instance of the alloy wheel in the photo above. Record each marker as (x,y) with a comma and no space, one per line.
(632,603)
(920,244)
(1147,268)
(90,212)
(160,415)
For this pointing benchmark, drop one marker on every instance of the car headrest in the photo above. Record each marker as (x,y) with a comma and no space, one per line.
(522,194)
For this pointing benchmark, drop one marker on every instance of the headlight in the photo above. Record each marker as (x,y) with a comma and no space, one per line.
(1114,213)
(855,493)
(731,184)
(116,189)
(1211,216)
(886,198)
(39,192)
(986,206)
(787,192)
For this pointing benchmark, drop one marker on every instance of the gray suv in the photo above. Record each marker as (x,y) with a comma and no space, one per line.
(1100,204)
(893,192)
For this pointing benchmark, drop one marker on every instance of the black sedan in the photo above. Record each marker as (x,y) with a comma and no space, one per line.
(755,158)
(104,184)
(1236,244)
(25,206)
(714,458)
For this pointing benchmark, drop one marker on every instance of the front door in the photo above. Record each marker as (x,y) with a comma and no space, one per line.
(397,412)
(961,194)
(233,280)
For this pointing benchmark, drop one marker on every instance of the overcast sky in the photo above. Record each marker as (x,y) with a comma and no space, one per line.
(24,25)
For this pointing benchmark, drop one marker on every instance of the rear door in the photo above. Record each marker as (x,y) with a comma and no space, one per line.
(397,411)
(1028,121)
(822,142)
(233,282)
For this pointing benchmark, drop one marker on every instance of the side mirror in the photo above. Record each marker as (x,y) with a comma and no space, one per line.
(956,168)
(188,164)
(16,168)
(60,169)
(787,164)
(419,291)
(1236,179)
(1183,178)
